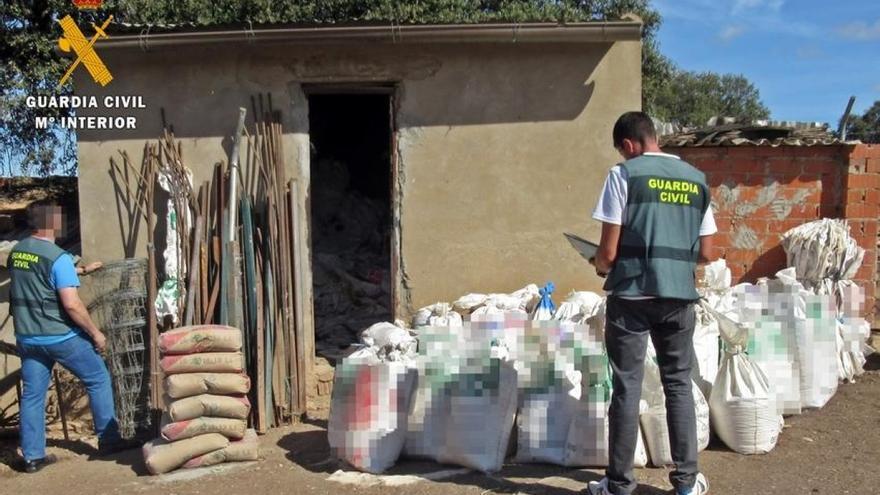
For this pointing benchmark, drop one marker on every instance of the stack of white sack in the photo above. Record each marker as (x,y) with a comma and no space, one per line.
(825,258)
(372,393)
(520,302)
(465,403)
(822,250)
(742,405)
(205,421)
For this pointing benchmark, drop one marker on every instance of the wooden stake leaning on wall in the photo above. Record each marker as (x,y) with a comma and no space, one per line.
(297,267)
(156,386)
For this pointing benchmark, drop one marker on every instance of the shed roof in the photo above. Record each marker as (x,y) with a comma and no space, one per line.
(149,36)
(754,133)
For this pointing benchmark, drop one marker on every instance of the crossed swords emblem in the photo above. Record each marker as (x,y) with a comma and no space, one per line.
(85,52)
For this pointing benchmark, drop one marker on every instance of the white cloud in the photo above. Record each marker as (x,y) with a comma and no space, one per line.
(860,30)
(761,16)
(730,32)
(774,5)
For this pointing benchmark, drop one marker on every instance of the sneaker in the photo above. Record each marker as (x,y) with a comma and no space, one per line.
(701,487)
(598,487)
(35,465)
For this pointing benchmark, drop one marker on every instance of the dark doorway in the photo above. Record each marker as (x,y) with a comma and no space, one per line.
(350,215)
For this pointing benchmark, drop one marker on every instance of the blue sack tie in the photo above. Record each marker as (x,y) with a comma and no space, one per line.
(546,302)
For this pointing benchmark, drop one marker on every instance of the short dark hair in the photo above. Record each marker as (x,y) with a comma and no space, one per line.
(39,214)
(635,126)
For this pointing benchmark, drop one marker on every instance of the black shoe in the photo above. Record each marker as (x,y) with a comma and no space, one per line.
(110,448)
(35,465)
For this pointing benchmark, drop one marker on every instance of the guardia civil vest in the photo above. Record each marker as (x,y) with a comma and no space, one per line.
(35,306)
(659,239)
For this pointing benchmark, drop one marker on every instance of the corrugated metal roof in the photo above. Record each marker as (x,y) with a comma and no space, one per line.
(755,133)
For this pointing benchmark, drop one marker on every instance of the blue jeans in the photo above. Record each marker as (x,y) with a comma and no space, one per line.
(78,355)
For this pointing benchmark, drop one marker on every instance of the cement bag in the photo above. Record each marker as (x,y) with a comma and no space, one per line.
(200,338)
(368,411)
(162,456)
(209,362)
(482,406)
(742,405)
(230,428)
(219,406)
(189,384)
(246,449)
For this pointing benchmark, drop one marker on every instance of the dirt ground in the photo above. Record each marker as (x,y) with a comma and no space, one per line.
(832,450)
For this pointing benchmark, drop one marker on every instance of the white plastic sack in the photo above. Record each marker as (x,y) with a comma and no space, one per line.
(465,402)
(482,407)
(743,410)
(707,341)
(466,304)
(562,419)
(368,411)
(653,416)
(391,342)
(579,306)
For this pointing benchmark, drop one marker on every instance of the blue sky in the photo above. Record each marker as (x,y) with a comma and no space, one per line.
(806,57)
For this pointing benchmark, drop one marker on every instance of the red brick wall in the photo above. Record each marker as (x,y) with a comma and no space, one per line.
(759,192)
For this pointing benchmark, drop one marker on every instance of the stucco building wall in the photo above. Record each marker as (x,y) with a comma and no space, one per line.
(500,147)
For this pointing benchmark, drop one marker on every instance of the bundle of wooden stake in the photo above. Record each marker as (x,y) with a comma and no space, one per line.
(238,260)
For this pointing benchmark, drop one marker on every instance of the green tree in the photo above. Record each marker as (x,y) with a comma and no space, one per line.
(31,65)
(692,98)
(865,127)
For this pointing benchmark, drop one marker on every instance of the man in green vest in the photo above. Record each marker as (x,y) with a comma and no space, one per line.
(656,226)
(52,326)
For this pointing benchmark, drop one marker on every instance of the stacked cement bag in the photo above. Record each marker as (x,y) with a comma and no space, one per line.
(465,403)
(742,405)
(205,420)
(372,392)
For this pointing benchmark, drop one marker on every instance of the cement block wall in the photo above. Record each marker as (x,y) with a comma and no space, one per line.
(760,192)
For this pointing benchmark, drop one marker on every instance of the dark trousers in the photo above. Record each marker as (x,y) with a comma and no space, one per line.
(670,323)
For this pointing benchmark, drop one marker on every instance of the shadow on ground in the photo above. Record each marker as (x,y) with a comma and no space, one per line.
(310,450)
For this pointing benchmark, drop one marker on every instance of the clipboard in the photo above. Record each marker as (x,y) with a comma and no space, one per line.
(584,247)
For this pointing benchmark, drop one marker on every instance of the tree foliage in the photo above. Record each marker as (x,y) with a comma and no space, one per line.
(31,65)
(692,98)
(865,127)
